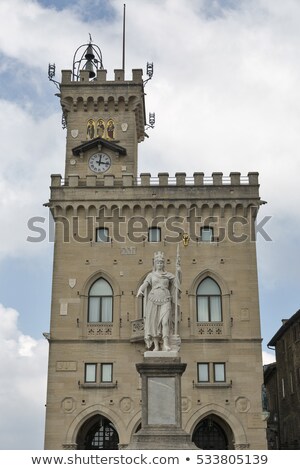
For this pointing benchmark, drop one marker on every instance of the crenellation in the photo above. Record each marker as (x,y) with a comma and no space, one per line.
(235,178)
(101,77)
(198,178)
(163,179)
(217,178)
(119,75)
(253,178)
(180,179)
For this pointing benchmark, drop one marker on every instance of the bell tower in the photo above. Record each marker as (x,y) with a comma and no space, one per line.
(109,224)
(105,119)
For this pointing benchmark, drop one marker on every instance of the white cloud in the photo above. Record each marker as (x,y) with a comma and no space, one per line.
(25,175)
(268,357)
(23,369)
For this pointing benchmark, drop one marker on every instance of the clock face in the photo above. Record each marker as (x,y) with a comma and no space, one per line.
(99,162)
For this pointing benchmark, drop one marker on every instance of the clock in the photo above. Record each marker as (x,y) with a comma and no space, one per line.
(99,162)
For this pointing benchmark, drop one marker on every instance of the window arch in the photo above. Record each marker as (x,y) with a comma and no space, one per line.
(100,306)
(209,434)
(98,433)
(209,305)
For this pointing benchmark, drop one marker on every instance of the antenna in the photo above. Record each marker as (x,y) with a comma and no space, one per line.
(123,56)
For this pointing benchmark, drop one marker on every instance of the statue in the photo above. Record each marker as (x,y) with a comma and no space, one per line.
(161,292)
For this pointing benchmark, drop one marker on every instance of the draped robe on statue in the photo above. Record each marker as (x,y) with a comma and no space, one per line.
(160,300)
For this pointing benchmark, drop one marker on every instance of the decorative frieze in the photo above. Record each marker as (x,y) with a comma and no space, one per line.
(100,329)
(137,330)
(210,329)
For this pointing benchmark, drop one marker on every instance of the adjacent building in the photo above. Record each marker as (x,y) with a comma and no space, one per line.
(109,222)
(282,381)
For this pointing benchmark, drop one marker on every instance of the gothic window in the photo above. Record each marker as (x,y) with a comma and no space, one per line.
(102,235)
(90,131)
(100,307)
(206,234)
(98,433)
(110,129)
(210,435)
(154,234)
(209,306)
(100,128)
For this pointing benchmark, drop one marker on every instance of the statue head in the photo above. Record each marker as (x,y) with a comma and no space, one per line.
(159,259)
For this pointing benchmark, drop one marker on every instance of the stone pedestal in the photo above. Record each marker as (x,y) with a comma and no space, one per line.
(161,403)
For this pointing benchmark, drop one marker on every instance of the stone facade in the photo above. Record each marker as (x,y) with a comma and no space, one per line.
(93,384)
(284,399)
(271,405)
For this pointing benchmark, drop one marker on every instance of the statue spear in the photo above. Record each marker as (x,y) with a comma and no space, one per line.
(177,284)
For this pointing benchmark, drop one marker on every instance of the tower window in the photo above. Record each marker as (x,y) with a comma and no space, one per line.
(106,372)
(209,306)
(154,234)
(203,372)
(211,372)
(206,234)
(219,372)
(100,302)
(102,235)
(90,373)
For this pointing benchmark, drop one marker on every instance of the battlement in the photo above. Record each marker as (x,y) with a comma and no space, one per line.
(161,180)
(101,78)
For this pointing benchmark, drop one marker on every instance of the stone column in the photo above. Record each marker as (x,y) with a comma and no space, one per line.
(161,403)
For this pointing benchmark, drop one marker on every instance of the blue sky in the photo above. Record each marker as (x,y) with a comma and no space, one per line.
(229,72)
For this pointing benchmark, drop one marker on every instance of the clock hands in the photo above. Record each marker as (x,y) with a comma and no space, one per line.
(99,162)
(102,162)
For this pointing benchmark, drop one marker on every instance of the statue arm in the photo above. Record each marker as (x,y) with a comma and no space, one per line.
(144,286)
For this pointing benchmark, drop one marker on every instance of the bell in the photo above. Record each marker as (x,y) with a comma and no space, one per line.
(89,53)
(90,68)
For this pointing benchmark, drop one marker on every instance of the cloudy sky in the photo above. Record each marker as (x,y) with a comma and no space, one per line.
(226,96)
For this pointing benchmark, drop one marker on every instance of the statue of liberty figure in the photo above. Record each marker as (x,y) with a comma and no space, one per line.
(161,291)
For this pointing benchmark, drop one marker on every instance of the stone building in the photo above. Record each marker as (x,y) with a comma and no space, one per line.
(271,405)
(285,397)
(109,222)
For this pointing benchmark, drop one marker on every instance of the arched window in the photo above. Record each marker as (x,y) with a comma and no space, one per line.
(100,302)
(210,435)
(98,433)
(209,306)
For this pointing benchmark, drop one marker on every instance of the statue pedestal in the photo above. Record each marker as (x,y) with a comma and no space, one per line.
(161,374)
